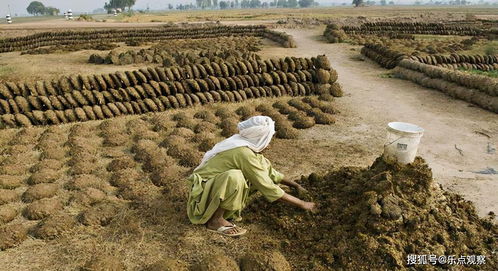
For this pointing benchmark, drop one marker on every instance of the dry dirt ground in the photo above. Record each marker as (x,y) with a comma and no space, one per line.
(372,100)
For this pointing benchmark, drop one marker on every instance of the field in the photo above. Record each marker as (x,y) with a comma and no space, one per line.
(102,125)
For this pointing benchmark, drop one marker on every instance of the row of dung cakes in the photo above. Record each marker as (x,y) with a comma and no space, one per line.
(389,58)
(78,99)
(168,59)
(386,57)
(140,34)
(414,28)
(100,82)
(186,51)
(335,33)
(456,61)
(476,89)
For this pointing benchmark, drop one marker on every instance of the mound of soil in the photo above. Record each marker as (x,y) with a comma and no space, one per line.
(47,163)
(229,127)
(7,196)
(83,167)
(187,156)
(80,182)
(8,168)
(18,149)
(7,214)
(205,127)
(39,191)
(10,182)
(167,265)
(27,136)
(56,153)
(165,176)
(103,263)
(115,140)
(121,163)
(140,191)
(12,235)
(206,116)
(89,196)
(100,214)
(146,135)
(286,131)
(271,261)
(124,177)
(43,176)
(207,144)
(161,123)
(383,213)
(182,132)
(216,263)
(52,227)
(42,208)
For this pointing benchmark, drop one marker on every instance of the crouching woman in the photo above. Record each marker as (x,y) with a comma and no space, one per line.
(233,170)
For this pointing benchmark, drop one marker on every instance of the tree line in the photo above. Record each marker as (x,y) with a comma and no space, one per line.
(121,4)
(254,4)
(38,8)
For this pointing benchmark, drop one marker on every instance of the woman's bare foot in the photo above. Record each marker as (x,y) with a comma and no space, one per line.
(215,224)
(217,221)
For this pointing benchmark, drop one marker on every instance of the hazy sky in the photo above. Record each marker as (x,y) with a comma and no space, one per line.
(19,6)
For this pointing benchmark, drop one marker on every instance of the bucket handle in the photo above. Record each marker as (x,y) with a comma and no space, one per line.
(390,143)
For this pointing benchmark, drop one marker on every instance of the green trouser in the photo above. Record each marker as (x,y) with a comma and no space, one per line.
(228,190)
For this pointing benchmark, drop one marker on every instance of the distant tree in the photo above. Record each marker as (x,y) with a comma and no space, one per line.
(306,3)
(224,5)
(383,2)
(391,3)
(170,6)
(51,11)
(36,8)
(254,3)
(358,3)
(130,3)
(371,3)
(292,3)
(206,3)
(185,7)
(281,3)
(122,4)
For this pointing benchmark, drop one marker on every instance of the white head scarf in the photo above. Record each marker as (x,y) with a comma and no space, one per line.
(255,133)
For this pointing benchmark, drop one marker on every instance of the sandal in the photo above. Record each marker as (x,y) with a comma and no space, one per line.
(221,230)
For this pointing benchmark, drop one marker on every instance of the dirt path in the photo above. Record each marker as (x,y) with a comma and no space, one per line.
(372,101)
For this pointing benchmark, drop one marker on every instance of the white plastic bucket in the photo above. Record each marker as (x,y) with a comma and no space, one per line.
(402,142)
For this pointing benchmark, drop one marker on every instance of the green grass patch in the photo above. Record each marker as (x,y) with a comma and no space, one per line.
(387,75)
(483,47)
(437,37)
(493,73)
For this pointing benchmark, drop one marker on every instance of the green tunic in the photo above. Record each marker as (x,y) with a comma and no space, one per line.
(227,179)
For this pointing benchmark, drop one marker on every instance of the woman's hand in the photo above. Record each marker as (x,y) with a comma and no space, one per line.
(305,205)
(309,206)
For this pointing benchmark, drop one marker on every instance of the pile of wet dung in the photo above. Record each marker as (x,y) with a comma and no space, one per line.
(374,218)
